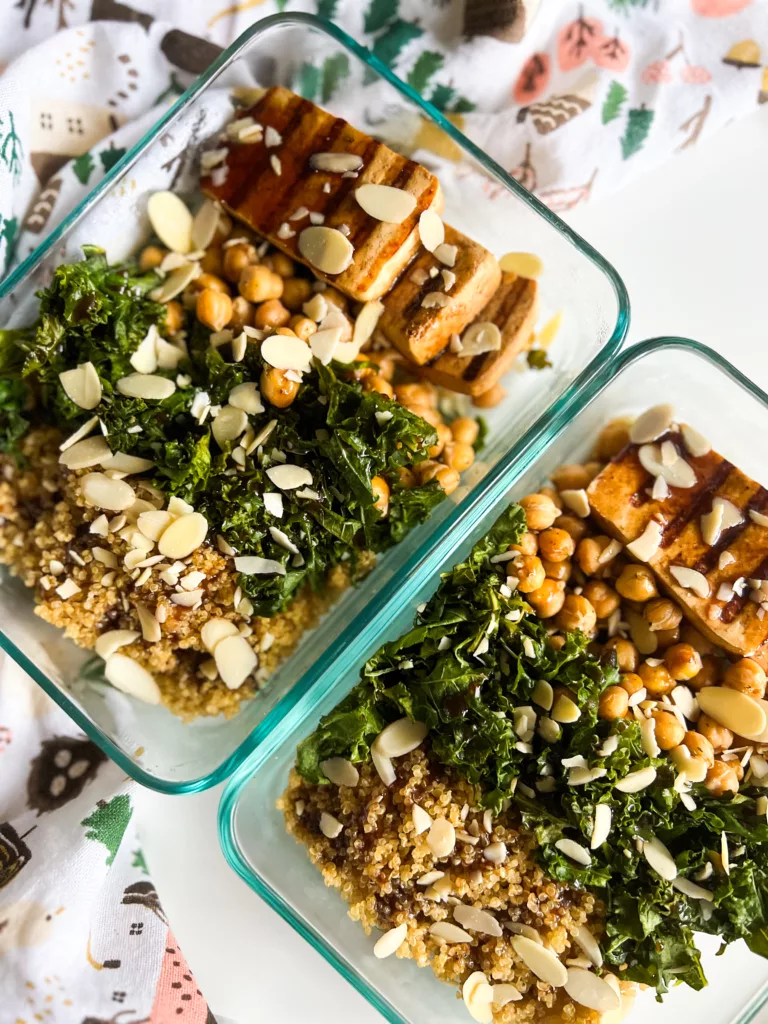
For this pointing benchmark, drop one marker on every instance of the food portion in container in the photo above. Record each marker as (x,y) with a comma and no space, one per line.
(557,777)
(203,447)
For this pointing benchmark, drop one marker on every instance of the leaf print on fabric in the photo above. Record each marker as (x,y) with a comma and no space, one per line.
(335,70)
(379,13)
(307,82)
(394,39)
(556,111)
(110,156)
(533,79)
(428,64)
(626,6)
(108,822)
(11,149)
(614,101)
(61,771)
(696,123)
(576,42)
(560,200)
(611,53)
(719,8)
(327,8)
(14,852)
(638,126)
(442,96)
(83,167)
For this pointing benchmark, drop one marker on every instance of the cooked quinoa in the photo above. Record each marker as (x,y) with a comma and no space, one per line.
(377,860)
(44,520)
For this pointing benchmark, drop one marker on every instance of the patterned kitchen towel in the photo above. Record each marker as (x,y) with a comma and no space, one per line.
(594,94)
(83,937)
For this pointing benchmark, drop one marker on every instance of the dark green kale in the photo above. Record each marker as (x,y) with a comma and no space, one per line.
(537,359)
(473,657)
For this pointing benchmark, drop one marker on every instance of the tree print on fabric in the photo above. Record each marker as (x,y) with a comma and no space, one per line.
(9,228)
(335,70)
(638,127)
(108,822)
(379,13)
(83,167)
(428,64)
(327,8)
(11,149)
(110,156)
(139,862)
(614,101)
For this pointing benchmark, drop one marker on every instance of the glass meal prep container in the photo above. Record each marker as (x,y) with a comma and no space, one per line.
(148,742)
(707,393)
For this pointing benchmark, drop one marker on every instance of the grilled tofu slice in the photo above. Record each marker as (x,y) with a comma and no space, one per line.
(422,332)
(620,501)
(263,185)
(514,308)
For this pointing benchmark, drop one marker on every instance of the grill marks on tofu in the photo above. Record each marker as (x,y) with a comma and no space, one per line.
(253,192)
(620,502)
(514,308)
(421,333)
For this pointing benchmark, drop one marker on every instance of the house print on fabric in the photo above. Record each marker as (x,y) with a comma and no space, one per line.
(63,129)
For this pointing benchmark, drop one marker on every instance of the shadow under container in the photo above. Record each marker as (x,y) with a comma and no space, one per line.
(708,393)
(149,743)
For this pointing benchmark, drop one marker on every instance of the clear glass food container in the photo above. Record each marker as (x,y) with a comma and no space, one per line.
(480,198)
(708,393)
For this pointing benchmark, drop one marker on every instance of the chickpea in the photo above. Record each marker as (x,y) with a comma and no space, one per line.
(283,265)
(385,360)
(636,583)
(548,599)
(296,291)
(214,309)
(722,778)
(747,677)
(708,674)
(458,456)
(189,296)
(553,495)
(576,613)
(447,478)
(612,438)
(489,399)
(627,657)
(408,478)
(602,597)
(151,256)
(719,737)
(700,747)
(527,545)
(302,326)
(589,552)
(432,416)
(271,313)
(669,732)
(644,640)
(666,638)
(380,489)
(656,679)
(692,636)
(540,511)
(174,316)
(336,298)
(557,641)
(416,394)
(631,682)
(557,570)
(572,524)
(682,661)
(377,383)
(242,314)
(236,258)
(211,281)
(661,613)
(571,477)
(443,437)
(212,261)
(530,573)
(614,703)
(592,469)
(555,544)
(465,430)
(277,388)
(259,283)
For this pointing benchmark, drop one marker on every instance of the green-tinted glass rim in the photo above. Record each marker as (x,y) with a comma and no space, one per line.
(337,651)
(502,481)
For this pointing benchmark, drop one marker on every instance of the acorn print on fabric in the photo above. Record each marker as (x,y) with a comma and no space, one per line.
(60,772)
(14,852)
(745,54)
(144,894)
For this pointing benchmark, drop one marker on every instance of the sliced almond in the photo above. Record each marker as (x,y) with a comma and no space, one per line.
(335,163)
(652,424)
(204,225)
(330,826)
(565,710)
(229,424)
(390,941)
(365,322)
(449,932)
(287,353)
(587,989)
(446,254)
(254,565)
(103,555)
(132,678)
(150,627)
(695,443)
(733,709)
(323,344)
(478,997)
(660,859)
(476,920)
(543,694)
(540,961)
(235,659)
(433,876)
(326,249)
(82,385)
(503,994)
(153,523)
(577,501)
(385,203)
(316,308)
(176,282)
(246,396)
(439,300)
(483,336)
(109,642)
(586,940)
(601,825)
(431,230)
(496,853)
(128,464)
(104,492)
(92,451)
(400,737)
(183,536)
(421,820)
(144,359)
(691,579)
(171,221)
(288,477)
(677,473)
(441,838)
(216,630)
(574,851)
(648,737)
(634,782)
(146,386)
(79,434)
(340,771)
(689,888)
(524,264)
(644,547)
(712,524)
(758,517)
(384,767)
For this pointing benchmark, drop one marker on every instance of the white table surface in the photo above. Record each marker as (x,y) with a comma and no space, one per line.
(691,243)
